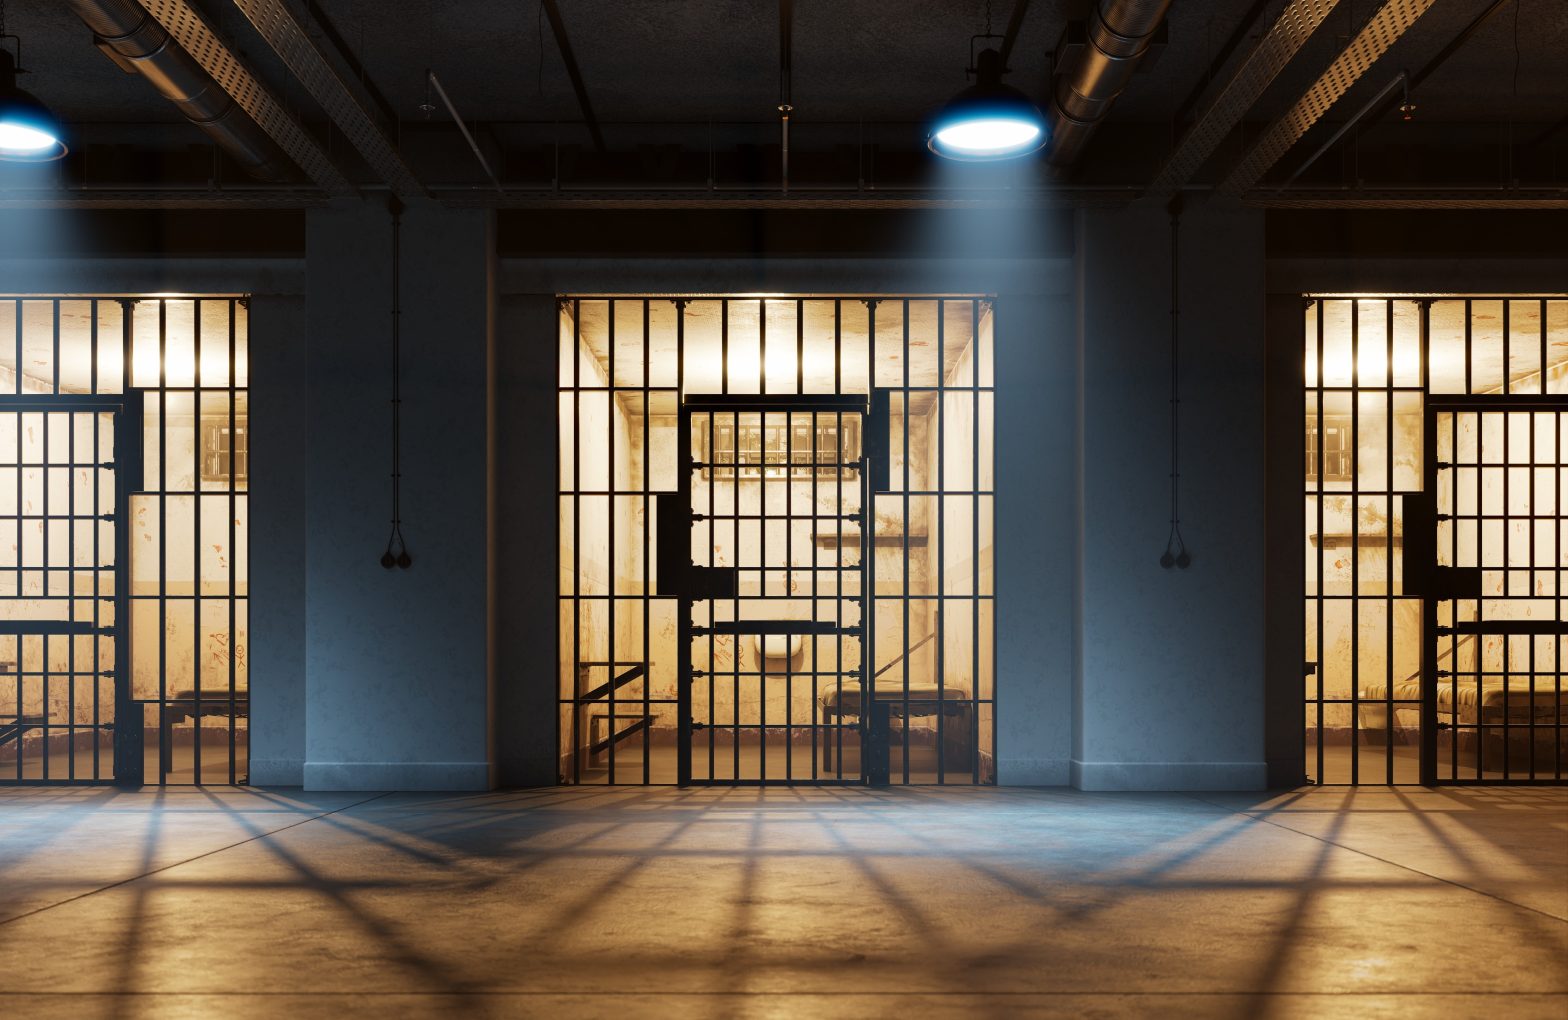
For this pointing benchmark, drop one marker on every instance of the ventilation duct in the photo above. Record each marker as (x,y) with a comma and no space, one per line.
(140,43)
(1118,35)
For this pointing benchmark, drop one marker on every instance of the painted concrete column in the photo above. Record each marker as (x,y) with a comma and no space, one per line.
(398,667)
(280,463)
(1036,535)
(1171,662)
(527,611)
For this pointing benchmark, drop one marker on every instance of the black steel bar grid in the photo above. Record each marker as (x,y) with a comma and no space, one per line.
(1506,407)
(764,404)
(70,395)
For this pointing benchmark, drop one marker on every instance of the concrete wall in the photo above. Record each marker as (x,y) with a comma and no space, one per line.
(397,661)
(1112,673)
(1170,675)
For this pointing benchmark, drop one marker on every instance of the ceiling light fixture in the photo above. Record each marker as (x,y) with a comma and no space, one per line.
(29,133)
(989,120)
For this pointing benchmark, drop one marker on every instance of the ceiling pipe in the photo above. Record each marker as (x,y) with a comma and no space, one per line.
(1119,33)
(130,32)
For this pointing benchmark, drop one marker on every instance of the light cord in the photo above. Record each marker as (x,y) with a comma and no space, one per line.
(1176,554)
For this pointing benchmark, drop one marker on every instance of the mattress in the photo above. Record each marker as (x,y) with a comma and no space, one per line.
(1545,702)
(927,694)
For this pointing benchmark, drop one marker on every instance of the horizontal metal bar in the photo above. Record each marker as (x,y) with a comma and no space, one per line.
(1497,401)
(775,627)
(61,402)
(770,402)
(50,627)
(1507,627)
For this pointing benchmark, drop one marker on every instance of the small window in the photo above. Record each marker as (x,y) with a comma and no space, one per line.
(1338,449)
(225,451)
(780,450)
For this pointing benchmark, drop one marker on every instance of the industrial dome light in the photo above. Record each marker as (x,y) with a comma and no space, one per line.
(987,121)
(29,133)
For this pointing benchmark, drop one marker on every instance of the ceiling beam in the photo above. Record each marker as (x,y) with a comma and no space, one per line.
(1014,22)
(574,73)
(289,40)
(1380,32)
(1408,198)
(1278,47)
(190,29)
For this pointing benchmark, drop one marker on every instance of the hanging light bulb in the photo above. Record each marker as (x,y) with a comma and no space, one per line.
(29,133)
(987,121)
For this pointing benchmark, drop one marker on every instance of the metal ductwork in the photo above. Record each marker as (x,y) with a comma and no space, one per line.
(1118,35)
(135,36)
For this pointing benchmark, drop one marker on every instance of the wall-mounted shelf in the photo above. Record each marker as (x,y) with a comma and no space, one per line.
(828,539)
(1345,541)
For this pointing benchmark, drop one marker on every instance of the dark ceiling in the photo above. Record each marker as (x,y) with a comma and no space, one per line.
(699,80)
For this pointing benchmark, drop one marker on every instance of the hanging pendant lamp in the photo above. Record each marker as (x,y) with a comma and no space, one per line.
(987,121)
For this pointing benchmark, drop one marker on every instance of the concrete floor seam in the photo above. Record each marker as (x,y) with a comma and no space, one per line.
(1402,867)
(188,860)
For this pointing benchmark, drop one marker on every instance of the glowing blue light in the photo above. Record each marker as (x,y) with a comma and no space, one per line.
(24,139)
(988,138)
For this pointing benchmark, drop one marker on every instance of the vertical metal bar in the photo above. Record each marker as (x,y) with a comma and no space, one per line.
(1355,541)
(97,510)
(21,543)
(1322,599)
(1557,585)
(1508,370)
(713,603)
(196,503)
(165,726)
(868,547)
(800,346)
(70,594)
(817,720)
(904,595)
(1506,562)
(684,678)
(941,541)
(128,441)
(736,605)
(974,530)
(762,588)
(614,491)
(1453,642)
(234,549)
(577,537)
(45,640)
(789,588)
(1530,590)
(70,579)
(128,714)
(838,583)
(647,558)
(1388,557)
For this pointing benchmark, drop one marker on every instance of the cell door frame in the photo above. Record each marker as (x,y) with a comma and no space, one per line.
(694,580)
(1433,583)
(126,464)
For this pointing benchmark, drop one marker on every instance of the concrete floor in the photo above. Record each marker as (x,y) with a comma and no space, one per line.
(784,903)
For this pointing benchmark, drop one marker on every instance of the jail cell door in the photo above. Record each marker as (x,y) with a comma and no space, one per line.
(1493,697)
(65,470)
(771,613)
